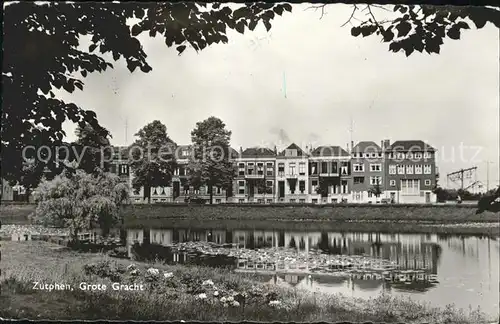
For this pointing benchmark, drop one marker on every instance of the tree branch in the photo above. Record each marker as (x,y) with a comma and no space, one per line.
(352,15)
(322,7)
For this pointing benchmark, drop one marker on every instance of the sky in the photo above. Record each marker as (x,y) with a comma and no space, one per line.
(304,81)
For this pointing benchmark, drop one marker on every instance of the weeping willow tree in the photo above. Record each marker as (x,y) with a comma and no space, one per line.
(81,202)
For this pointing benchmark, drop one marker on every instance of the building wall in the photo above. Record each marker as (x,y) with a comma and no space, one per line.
(7,193)
(426,181)
(361,191)
(289,174)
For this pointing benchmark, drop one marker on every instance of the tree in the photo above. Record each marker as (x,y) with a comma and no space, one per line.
(81,202)
(92,149)
(376,189)
(322,187)
(42,53)
(411,28)
(152,158)
(211,164)
(262,187)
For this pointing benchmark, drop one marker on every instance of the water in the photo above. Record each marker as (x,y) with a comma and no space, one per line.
(464,270)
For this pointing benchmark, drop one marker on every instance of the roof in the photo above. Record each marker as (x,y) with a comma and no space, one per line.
(329,150)
(412,145)
(366,147)
(234,153)
(258,152)
(293,146)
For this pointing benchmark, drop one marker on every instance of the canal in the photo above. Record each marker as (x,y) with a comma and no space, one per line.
(435,268)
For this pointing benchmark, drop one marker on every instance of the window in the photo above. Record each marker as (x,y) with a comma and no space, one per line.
(241,201)
(302,186)
(418,169)
(409,169)
(217,201)
(260,201)
(418,155)
(392,183)
(241,187)
(314,167)
(370,194)
(123,169)
(290,152)
(260,168)
(269,201)
(400,156)
(427,182)
(375,167)
(392,169)
(427,155)
(409,155)
(315,201)
(334,168)
(218,190)
(358,167)
(367,155)
(314,186)
(359,180)
(401,169)
(250,168)
(302,201)
(324,167)
(302,168)
(410,187)
(380,155)
(427,169)
(292,200)
(374,155)
(269,186)
(269,169)
(344,168)
(291,167)
(375,180)
(281,169)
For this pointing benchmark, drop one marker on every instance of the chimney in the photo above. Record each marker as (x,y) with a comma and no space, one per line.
(382,145)
(352,145)
(241,150)
(275,150)
(348,151)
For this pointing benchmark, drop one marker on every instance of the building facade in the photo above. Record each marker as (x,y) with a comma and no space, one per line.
(367,173)
(255,176)
(411,172)
(329,174)
(292,178)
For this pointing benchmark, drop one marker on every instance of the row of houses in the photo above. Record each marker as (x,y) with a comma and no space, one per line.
(401,172)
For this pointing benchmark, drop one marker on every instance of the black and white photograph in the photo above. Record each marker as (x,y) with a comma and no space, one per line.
(257,161)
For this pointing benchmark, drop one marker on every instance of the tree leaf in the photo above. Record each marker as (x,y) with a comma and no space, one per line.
(92,47)
(267,24)
(240,27)
(355,31)
(252,25)
(403,28)
(453,32)
(83,73)
(136,30)
(287,7)
(181,49)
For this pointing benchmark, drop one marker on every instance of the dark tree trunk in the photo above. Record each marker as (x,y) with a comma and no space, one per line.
(210,187)
(27,195)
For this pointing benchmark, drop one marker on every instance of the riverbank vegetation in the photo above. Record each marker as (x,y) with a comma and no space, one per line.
(181,292)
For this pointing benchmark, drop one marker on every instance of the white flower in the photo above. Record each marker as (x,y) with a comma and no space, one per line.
(168,275)
(216,293)
(223,299)
(274,303)
(134,272)
(153,271)
(131,266)
(202,296)
(230,298)
(236,304)
(207,283)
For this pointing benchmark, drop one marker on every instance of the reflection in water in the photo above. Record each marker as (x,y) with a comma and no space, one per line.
(466,268)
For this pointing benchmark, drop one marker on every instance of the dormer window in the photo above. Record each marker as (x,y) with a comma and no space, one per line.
(291,152)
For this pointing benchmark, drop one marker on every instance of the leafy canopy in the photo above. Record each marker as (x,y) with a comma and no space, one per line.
(42,52)
(152,157)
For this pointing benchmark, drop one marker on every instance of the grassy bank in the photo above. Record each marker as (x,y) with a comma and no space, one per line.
(425,213)
(178,296)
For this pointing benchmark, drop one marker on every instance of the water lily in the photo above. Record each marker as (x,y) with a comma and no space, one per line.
(131,267)
(235,304)
(135,272)
(153,271)
(230,299)
(216,293)
(223,299)
(168,275)
(207,283)
(202,296)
